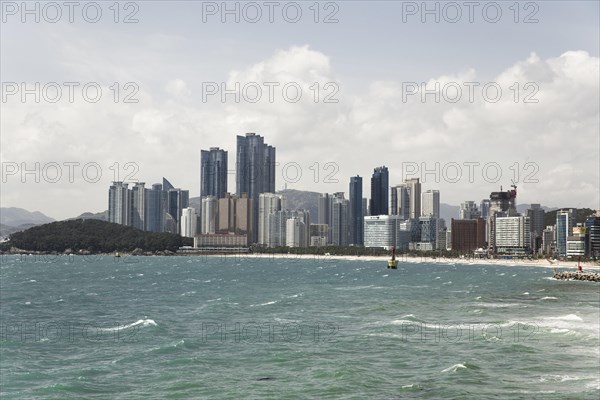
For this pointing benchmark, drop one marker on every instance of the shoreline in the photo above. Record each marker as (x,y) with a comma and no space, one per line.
(402,259)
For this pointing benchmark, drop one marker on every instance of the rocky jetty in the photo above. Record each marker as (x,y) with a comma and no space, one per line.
(578,276)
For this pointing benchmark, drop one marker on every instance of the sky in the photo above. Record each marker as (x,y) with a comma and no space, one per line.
(468,97)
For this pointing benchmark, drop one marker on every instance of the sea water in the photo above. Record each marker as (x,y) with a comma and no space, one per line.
(282,328)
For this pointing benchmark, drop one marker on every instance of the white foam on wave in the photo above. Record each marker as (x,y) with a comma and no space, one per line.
(569,324)
(564,378)
(498,305)
(549,298)
(569,317)
(455,368)
(264,304)
(401,321)
(142,322)
(385,335)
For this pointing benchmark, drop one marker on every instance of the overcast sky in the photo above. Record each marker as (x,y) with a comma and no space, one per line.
(542,130)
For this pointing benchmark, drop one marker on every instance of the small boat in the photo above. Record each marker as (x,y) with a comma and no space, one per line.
(392,262)
(117,254)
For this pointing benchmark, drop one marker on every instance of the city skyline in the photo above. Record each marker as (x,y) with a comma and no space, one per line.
(374,122)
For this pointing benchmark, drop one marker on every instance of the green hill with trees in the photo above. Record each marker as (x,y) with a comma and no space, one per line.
(582,214)
(94,236)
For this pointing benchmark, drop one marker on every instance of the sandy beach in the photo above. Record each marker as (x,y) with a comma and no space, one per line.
(416,260)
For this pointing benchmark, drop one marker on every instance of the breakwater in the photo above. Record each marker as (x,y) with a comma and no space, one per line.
(578,276)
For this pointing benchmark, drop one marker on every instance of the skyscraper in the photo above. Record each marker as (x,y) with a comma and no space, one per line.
(235,215)
(296,233)
(156,208)
(430,204)
(326,213)
(379,191)
(118,203)
(255,172)
(592,223)
(340,216)
(138,206)
(400,201)
(484,208)
(468,210)
(267,204)
(176,201)
(512,235)
(213,172)
(502,204)
(414,195)
(324,209)
(536,222)
(188,222)
(565,220)
(356,211)
(209,215)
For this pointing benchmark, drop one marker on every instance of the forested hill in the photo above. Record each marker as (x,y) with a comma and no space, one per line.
(93,235)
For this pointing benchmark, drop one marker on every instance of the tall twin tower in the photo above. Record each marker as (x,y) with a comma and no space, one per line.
(255,172)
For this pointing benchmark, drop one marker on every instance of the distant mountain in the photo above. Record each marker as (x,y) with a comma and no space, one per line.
(447,212)
(582,214)
(521,208)
(301,199)
(102,216)
(6,231)
(13,216)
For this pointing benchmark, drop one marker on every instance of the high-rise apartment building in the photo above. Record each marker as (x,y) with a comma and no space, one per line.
(188,222)
(592,223)
(213,172)
(156,208)
(118,203)
(469,210)
(379,204)
(138,210)
(413,186)
(268,203)
(356,211)
(536,219)
(255,172)
(512,235)
(400,201)
(565,221)
(340,224)
(430,203)
(210,207)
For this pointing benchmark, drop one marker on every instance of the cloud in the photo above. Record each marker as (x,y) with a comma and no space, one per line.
(164,132)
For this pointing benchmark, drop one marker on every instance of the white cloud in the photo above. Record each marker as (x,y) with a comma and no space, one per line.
(163,134)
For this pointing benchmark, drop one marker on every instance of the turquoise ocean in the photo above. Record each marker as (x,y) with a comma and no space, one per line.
(100,327)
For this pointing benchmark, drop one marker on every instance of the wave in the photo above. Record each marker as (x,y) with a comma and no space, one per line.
(264,304)
(407,319)
(565,378)
(569,317)
(142,322)
(458,367)
(549,298)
